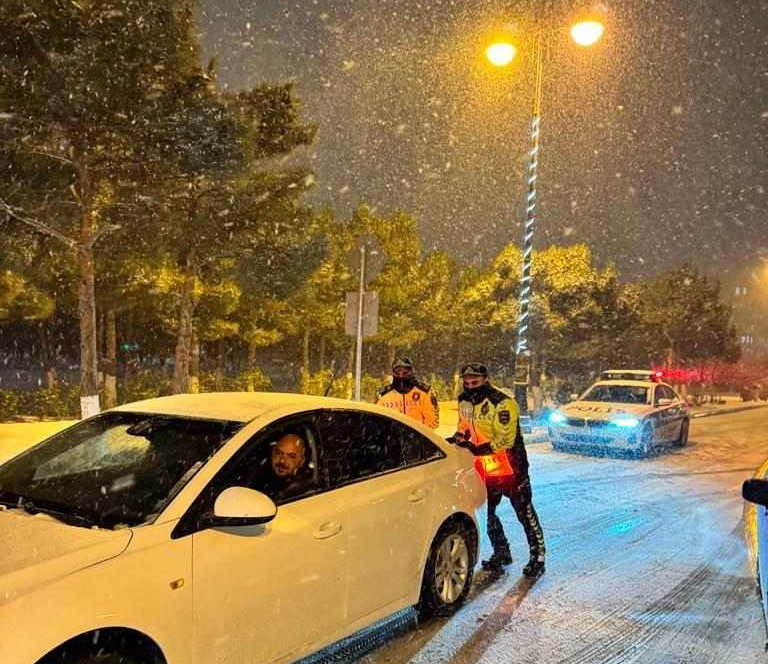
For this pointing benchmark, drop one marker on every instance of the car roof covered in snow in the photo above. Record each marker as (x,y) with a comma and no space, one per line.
(233,406)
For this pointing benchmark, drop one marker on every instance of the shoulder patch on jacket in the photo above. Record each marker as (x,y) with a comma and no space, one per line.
(504,416)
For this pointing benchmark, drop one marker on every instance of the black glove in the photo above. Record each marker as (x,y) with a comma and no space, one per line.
(460,439)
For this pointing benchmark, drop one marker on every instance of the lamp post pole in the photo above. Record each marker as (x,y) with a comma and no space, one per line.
(522,352)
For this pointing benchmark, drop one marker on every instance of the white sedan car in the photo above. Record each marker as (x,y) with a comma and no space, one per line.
(140,536)
(631,414)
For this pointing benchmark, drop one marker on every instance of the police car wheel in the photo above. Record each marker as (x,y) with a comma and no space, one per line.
(682,439)
(646,440)
(448,572)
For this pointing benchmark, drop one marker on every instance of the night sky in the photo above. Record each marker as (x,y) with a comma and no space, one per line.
(654,141)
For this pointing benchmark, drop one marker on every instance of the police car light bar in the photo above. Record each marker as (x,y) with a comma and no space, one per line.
(632,374)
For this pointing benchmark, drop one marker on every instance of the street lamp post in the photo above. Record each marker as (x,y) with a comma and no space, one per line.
(584,33)
(529,222)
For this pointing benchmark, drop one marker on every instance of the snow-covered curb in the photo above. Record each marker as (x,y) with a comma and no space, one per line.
(725,411)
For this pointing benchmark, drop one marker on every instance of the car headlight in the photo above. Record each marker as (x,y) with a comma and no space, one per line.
(627,422)
(556,418)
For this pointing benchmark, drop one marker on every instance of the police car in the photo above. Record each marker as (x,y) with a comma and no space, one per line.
(630,411)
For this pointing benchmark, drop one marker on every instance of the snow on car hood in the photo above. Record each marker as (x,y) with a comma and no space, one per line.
(599,410)
(37,550)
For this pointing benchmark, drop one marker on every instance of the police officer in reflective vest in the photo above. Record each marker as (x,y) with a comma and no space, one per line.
(489,427)
(408,395)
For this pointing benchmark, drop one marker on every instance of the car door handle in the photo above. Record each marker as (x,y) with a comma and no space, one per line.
(328,529)
(417,495)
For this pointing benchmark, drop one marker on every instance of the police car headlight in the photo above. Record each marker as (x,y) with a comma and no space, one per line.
(556,418)
(626,422)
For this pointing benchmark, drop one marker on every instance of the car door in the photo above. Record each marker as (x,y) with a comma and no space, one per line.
(677,414)
(668,416)
(387,500)
(264,592)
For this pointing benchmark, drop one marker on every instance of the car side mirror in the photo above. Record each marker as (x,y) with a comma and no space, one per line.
(755,491)
(664,402)
(240,506)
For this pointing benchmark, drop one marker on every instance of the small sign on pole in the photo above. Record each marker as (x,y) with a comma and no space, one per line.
(522,372)
(370,313)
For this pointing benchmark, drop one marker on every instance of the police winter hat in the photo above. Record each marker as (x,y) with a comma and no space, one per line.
(402,363)
(474,369)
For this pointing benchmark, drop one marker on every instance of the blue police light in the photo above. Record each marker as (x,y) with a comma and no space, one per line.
(556,418)
(627,422)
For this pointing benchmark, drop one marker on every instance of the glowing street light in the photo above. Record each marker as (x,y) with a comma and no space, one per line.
(500,53)
(587,33)
(584,33)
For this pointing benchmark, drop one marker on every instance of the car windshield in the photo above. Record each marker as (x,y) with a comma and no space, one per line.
(116,470)
(617,394)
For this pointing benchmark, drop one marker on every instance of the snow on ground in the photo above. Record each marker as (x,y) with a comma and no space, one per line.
(646,563)
(15,437)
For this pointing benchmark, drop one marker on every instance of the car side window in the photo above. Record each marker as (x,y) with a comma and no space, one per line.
(280,461)
(416,448)
(355,445)
(663,392)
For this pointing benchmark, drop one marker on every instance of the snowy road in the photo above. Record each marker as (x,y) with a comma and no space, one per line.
(646,563)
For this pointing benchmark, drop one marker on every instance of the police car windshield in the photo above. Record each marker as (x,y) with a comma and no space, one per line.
(617,394)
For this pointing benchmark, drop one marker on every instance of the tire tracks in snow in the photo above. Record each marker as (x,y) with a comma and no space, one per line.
(632,628)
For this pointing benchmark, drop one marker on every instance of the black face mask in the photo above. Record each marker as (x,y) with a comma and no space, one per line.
(477,394)
(403,385)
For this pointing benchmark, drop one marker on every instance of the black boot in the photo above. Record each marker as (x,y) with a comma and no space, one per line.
(534,568)
(498,560)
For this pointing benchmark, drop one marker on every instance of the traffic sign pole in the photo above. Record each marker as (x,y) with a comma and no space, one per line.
(359,343)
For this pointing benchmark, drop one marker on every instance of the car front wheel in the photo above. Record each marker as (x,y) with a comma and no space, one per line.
(448,573)
(647,444)
(682,439)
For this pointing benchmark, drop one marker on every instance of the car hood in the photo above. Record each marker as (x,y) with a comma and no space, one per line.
(37,550)
(595,410)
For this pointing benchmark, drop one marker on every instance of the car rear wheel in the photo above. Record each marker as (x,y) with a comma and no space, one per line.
(448,573)
(682,439)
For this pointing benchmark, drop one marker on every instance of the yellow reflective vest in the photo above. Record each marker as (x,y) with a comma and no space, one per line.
(419,403)
(490,415)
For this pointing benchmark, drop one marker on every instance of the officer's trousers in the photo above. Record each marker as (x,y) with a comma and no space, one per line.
(521,497)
